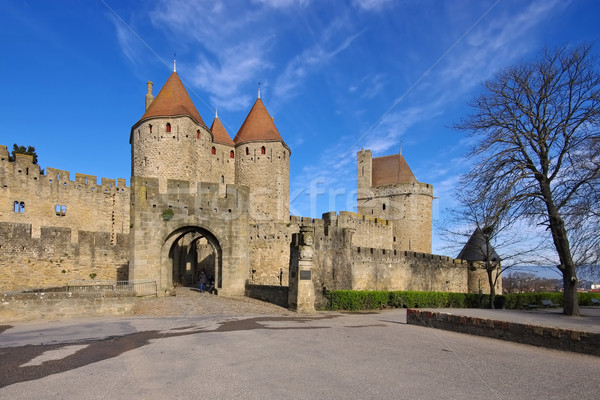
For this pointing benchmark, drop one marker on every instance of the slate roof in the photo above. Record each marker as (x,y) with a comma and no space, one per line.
(390,170)
(173,100)
(475,249)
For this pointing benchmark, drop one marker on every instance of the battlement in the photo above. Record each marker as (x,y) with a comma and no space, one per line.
(55,238)
(83,181)
(389,255)
(24,160)
(307,221)
(399,189)
(23,168)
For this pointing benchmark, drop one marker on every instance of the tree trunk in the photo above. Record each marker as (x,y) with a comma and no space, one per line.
(563,249)
(490,272)
(570,298)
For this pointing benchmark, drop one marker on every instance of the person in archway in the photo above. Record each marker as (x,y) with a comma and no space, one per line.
(202,280)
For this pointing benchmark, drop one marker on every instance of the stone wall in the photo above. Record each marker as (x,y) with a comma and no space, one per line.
(27,196)
(549,337)
(265,169)
(185,153)
(54,306)
(408,207)
(340,265)
(52,259)
(165,221)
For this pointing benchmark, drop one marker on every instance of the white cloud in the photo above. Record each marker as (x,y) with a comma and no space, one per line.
(230,53)
(372,5)
(308,61)
(224,78)
(283,3)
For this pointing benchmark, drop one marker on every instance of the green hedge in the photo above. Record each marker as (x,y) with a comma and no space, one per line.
(356,300)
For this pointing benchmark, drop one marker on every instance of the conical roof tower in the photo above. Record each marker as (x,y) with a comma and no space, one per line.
(258,127)
(172,101)
(262,164)
(478,249)
(219,132)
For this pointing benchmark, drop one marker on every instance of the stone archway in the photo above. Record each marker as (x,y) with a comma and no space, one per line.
(186,251)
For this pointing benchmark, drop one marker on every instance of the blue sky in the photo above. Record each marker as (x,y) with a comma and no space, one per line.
(337,76)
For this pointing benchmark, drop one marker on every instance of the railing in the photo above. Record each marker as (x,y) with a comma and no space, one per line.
(135,288)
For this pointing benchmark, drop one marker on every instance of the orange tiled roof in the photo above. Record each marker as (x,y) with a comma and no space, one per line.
(220,135)
(173,100)
(258,126)
(390,170)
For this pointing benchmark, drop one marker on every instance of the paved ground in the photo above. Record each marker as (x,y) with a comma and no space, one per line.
(214,348)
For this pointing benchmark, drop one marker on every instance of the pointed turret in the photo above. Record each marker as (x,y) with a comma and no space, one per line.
(258,127)
(172,101)
(220,134)
(478,248)
(262,164)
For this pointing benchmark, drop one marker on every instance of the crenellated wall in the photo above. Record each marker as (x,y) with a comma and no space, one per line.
(408,206)
(53,200)
(185,153)
(165,224)
(52,259)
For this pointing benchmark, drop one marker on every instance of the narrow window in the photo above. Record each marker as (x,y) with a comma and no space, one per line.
(231,154)
(16,207)
(213,151)
(247,151)
(222,179)
(61,210)
(150,128)
(198,134)
(168,127)
(383,206)
(22,207)
(263,150)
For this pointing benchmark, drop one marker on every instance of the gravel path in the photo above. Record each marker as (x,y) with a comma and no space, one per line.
(189,301)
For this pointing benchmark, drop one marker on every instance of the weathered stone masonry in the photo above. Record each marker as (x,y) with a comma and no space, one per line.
(200,201)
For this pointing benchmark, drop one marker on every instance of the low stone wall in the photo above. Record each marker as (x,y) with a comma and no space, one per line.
(272,294)
(553,338)
(54,306)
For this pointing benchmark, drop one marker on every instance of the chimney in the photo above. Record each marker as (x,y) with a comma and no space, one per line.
(149,97)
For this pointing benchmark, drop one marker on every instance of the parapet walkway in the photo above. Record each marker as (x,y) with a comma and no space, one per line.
(542,327)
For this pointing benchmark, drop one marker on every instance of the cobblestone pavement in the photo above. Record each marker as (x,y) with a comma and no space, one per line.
(191,302)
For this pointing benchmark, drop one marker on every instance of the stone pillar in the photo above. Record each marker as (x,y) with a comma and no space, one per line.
(301,296)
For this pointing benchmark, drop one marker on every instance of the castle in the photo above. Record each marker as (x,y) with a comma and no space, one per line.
(199,200)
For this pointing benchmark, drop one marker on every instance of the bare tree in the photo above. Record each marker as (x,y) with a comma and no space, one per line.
(489,225)
(538,129)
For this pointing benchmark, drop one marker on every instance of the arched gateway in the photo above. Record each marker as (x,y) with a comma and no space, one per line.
(177,233)
(189,250)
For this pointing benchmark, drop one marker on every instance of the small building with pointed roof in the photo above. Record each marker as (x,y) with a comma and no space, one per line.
(478,248)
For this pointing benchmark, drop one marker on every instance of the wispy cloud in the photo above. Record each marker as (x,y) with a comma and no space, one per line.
(373,5)
(283,3)
(309,61)
(224,78)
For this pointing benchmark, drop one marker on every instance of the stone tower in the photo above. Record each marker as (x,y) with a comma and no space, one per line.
(171,141)
(262,164)
(387,188)
(187,215)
